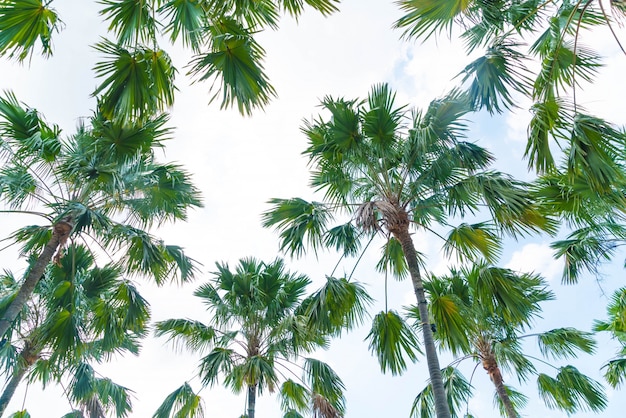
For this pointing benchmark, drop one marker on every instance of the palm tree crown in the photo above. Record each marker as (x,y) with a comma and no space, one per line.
(102,185)
(391,178)
(78,314)
(484,313)
(258,329)
(137,75)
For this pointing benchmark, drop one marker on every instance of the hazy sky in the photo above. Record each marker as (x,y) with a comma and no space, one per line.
(239,163)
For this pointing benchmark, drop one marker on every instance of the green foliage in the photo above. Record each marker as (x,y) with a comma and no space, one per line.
(482,313)
(571,391)
(615,369)
(392,340)
(260,324)
(458,391)
(183,402)
(138,76)
(79,313)
(22,24)
(103,173)
(499,79)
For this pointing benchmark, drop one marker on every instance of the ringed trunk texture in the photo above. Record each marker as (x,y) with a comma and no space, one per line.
(401,233)
(251,400)
(493,370)
(60,233)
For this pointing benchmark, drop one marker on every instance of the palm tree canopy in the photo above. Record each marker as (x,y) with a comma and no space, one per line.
(500,76)
(483,312)
(78,314)
(104,173)
(137,75)
(260,324)
(373,162)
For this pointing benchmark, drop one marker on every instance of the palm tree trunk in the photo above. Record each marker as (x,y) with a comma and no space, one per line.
(442,408)
(493,370)
(60,233)
(10,388)
(27,358)
(251,400)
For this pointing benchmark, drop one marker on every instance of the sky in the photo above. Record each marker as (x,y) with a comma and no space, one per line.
(239,163)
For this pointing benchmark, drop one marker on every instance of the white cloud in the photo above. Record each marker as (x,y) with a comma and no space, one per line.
(536,258)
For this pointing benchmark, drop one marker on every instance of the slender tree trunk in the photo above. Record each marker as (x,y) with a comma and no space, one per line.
(10,388)
(493,370)
(28,357)
(401,232)
(59,235)
(251,400)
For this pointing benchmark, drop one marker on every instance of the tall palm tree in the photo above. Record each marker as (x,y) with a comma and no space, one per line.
(77,314)
(483,313)
(101,185)
(501,76)
(137,74)
(259,328)
(392,179)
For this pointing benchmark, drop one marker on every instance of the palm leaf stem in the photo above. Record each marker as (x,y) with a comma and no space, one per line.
(608,23)
(360,257)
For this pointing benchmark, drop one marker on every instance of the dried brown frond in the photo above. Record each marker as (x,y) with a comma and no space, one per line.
(366,217)
(323,409)
(370,215)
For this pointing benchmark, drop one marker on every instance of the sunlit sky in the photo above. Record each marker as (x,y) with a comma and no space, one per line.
(241,162)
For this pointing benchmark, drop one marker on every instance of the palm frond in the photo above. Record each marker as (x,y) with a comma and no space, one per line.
(458,391)
(299,222)
(235,65)
(193,335)
(424,18)
(22,24)
(182,402)
(571,391)
(564,342)
(392,341)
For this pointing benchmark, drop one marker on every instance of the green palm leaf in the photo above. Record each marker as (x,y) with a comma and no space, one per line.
(193,335)
(495,74)
(615,372)
(564,342)
(131,21)
(22,23)
(294,396)
(469,242)
(137,82)
(392,340)
(298,222)
(327,389)
(392,260)
(571,391)
(182,402)
(236,59)
(186,20)
(518,400)
(458,391)
(423,18)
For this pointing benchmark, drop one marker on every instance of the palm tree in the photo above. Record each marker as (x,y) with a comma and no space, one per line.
(392,179)
(137,75)
(259,328)
(102,185)
(483,313)
(500,77)
(615,369)
(77,314)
